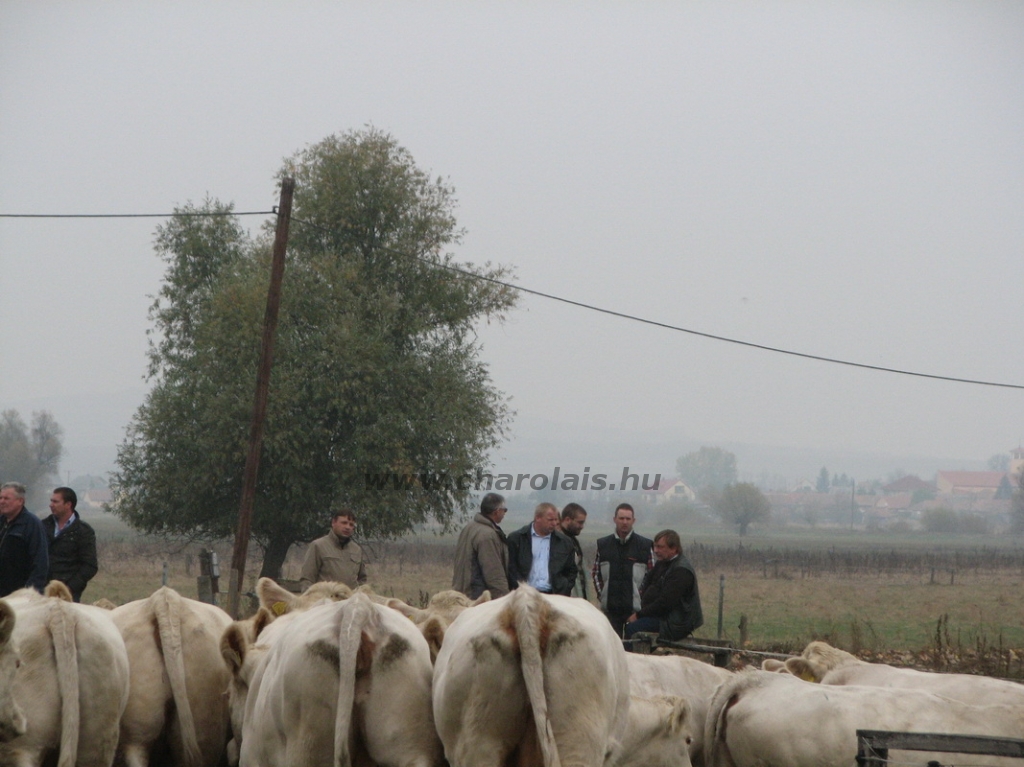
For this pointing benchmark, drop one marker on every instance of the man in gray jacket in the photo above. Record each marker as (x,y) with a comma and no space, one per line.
(481,555)
(335,557)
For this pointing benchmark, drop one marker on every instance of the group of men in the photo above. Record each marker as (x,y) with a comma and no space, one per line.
(33,552)
(642,585)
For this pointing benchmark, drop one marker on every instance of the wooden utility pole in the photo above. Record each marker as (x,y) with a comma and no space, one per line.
(259,411)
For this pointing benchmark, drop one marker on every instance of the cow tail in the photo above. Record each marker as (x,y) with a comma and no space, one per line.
(355,654)
(167,609)
(531,615)
(62,630)
(716,749)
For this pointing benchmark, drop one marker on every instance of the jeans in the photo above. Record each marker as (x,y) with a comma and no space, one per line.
(651,625)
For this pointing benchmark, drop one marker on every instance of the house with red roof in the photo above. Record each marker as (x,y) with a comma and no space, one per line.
(984,484)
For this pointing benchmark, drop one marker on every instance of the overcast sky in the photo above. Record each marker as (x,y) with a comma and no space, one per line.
(838,179)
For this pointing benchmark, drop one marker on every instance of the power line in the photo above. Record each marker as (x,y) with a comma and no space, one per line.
(140,215)
(552,297)
(725,339)
(679,329)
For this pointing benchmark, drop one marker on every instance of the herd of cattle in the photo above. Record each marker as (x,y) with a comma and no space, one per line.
(335,677)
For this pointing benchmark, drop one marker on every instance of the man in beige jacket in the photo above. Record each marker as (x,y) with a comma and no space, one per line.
(335,557)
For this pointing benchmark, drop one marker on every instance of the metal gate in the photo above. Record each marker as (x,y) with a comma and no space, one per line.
(873,745)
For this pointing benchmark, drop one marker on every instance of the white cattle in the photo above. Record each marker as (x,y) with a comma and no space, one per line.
(72,683)
(658,734)
(434,620)
(541,676)
(241,651)
(279,600)
(693,680)
(12,720)
(823,663)
(760,719)
(340,683)
(178,680)
(537,679)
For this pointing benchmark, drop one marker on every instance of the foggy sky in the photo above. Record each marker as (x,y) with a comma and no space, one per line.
(839,179)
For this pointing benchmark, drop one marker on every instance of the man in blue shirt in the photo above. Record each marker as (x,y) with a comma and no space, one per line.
(23,552)
(540,554)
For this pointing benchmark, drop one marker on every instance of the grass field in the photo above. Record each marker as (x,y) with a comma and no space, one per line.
(910,594)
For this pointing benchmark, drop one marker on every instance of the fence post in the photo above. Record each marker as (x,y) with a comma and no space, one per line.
(721,602)
(204,582)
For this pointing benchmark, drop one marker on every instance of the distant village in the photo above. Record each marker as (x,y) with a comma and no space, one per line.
(953,501)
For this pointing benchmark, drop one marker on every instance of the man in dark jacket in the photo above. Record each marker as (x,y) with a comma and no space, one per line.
(542,555)
(72,543)
(669,599)
(571,522)
(23,559)
(620,567)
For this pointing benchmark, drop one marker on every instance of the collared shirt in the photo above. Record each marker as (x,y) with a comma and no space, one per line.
(541,547)
(57,529)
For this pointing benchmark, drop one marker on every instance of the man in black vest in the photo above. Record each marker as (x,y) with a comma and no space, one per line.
(72,543)
(669,599)
(622,561)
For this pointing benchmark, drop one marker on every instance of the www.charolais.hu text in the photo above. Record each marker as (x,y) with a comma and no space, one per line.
(556,479)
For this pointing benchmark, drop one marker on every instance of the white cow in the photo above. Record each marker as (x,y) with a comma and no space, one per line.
(434,620)
(244,642)
(823,663)
(72,683)
(543,680)
(693,680)
(760,719)
(178,680)
(340,683)
(12,720)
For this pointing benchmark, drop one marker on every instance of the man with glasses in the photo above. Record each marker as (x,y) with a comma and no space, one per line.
(481,555)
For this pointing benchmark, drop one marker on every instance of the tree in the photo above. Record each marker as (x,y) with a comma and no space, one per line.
(741,504)
(707,470)
(1017,512)
(377,399)
(30,454)
(823,481)
(940,520)
(999,462)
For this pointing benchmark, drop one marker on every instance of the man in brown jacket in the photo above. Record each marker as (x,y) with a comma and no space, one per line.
(335,557)
(481,555)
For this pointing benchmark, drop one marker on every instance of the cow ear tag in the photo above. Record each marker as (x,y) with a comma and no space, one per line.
(279,608)
(807,676)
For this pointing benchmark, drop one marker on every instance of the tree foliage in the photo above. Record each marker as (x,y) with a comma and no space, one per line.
(707,470)
(30,454)
(376,369)
(940,520)
(999,462)
(1017,511)
(742,504)
(822,485)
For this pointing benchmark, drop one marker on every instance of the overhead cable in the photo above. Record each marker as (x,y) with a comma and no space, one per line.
(141,215)
(552,297)
(679,329)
